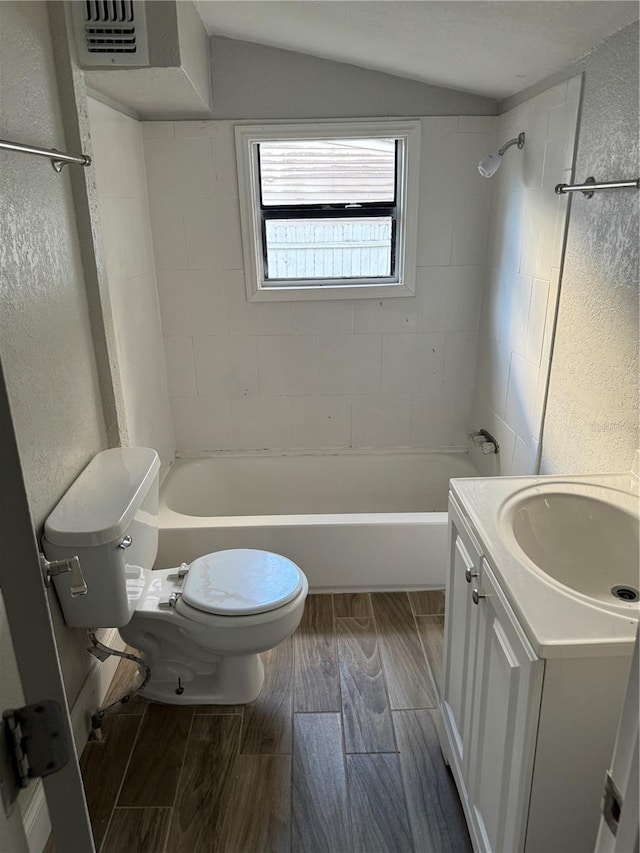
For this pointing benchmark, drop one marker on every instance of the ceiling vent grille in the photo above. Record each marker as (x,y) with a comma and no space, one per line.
(111,32)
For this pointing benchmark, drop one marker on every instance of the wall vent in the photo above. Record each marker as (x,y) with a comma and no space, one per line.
(111,32)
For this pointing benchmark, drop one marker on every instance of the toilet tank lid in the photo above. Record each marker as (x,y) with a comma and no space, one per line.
(100,505)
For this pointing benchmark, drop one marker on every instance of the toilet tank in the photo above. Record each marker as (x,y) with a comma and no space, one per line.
(109,519)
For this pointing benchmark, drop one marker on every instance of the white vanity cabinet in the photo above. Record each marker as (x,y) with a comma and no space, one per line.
(528,739)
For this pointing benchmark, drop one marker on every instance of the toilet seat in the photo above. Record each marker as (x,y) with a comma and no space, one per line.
(241,582)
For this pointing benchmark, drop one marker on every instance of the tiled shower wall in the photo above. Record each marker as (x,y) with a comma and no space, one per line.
(526,241)
(369,373)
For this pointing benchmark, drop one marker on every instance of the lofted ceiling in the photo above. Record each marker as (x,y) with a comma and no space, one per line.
(488,47)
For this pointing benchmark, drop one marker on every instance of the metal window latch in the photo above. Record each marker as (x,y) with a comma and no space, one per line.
(53,568)
(37,744)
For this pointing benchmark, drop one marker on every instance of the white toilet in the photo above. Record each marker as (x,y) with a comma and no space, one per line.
(199,627)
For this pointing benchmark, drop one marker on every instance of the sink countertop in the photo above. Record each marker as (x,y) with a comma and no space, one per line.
(558,622)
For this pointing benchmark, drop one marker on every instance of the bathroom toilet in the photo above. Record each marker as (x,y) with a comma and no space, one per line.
(200,627)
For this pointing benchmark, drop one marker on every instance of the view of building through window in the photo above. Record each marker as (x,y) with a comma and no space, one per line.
(328,208)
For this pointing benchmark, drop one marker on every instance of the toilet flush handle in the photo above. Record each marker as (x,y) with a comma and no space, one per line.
(52,568)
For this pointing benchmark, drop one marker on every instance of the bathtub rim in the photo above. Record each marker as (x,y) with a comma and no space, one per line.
(169,519)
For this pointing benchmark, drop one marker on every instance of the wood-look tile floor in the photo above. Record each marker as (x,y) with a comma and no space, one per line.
(339,753)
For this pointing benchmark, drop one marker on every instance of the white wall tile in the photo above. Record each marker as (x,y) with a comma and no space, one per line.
(181,376)
(538,230)
(412,363)
(317,317)
(288,364)
(521,396)
(381,420)
(491,311)
(435,232)
(429,421)
(460,361)
(252,318)
(537,320)
(477,124)
(306,385)
(126,238)
(432,284)
(552,307)
(492,375)
(202,423)
(157,129)
(167,226)
(179,168)
(463,298)
(350,364)
(226,367)
(524,457)
(386,315)
(261,422)
(470,227)
(191,303)
(506,229)
(541,397)
(321,421)
(212,229)
(516,301)
(222,140)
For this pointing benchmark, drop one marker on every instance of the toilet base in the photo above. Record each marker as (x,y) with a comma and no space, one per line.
(237,680)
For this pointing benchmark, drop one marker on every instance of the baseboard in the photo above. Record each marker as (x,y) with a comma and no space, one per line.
(35,815)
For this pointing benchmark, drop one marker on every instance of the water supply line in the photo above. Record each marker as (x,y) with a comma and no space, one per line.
(102,652)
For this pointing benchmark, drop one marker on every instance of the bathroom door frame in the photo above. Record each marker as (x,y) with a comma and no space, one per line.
(34,642)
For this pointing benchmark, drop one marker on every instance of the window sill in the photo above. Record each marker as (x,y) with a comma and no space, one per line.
(316,293)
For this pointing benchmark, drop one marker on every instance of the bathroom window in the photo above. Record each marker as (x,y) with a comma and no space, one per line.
(329,210)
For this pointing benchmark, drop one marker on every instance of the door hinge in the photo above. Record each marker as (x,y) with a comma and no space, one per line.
(37,741)
(611,804)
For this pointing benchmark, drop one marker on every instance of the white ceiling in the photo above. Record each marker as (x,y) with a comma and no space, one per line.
(488,47)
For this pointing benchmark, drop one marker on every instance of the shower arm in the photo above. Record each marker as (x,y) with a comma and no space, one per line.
(517,140)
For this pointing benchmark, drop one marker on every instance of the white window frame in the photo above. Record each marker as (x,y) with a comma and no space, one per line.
(260,289)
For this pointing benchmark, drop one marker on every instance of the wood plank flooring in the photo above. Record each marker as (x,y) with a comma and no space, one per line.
(339,753)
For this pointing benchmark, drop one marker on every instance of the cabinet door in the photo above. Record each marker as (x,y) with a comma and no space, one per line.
(460,626)
(507,689)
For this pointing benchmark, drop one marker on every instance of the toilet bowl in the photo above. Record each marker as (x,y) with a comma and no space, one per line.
(199,627)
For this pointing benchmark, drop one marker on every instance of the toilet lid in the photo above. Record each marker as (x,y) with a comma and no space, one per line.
(240,582)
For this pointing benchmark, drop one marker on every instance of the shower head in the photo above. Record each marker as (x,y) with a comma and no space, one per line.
(490,165)
(492,162)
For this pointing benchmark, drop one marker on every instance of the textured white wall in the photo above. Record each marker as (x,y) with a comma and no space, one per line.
(364,373)
(124,216)
(45,335)
(523,271)
(592,411)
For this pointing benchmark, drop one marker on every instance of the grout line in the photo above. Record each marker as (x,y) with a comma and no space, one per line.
(123,777)
(141,808)
(178,786)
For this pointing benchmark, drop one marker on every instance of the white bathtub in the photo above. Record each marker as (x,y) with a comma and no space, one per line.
(351,522)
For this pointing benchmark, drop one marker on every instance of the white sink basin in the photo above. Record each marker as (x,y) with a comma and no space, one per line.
(581,536)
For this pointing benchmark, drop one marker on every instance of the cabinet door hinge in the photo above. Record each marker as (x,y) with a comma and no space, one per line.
(37,744)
